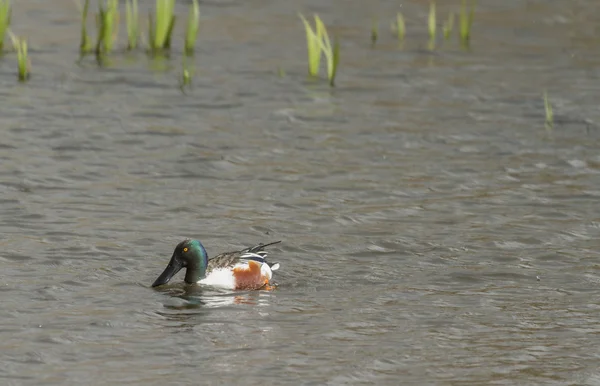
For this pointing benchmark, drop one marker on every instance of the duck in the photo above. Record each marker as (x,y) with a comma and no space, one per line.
(246,269)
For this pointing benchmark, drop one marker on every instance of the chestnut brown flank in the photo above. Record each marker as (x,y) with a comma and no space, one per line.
(250,277)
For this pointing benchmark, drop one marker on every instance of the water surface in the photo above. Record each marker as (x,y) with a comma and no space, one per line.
(434,231)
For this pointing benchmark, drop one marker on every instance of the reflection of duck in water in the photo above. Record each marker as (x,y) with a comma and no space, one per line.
(247,269)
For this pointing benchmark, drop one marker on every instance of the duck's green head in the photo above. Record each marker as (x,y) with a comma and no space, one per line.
(188,254)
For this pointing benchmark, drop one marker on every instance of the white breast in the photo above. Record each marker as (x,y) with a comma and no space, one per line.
(220,277)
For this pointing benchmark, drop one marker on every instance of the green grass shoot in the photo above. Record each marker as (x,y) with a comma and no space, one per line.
(5,15)
(161,26)
(431,24)
(108,27)
(85,45)
(191,30)
(132,17)
(374,31)
(332,53)
(400,26)
(20,45)
(22,59)
(313,46)
(187,74)
(466,21)
(448,25)
(549,113)
(186,77)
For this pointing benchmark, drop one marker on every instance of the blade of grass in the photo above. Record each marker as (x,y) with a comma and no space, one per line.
(193,25)
(151,32)
(312,47)
(322,34)
(85,45)
(167,44)
(431,24)
(111,24)
(466,21)
(20,45)
(331,53)
(5,16)
(133,20)
(400,26)
(107,21)
(548,110)
(161,23)
(165,21)
(23,60)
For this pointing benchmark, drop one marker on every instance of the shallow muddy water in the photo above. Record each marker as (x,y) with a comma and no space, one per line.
(434,231)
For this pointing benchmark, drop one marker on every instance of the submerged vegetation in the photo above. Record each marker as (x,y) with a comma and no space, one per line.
(318,41)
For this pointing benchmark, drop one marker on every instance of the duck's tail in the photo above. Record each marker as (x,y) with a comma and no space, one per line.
(257,253)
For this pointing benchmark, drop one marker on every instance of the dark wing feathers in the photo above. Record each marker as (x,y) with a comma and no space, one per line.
(227,259)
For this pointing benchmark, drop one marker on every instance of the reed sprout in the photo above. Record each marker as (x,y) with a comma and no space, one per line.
(161,26)
(5,16)
(318,41)
(548,110)
(22,59)
(85,44)
(431,24)
(400,26)
(23,64)
(332,53)
(313,46)
(466,21)
(108,27)
(193,25)
(133,23)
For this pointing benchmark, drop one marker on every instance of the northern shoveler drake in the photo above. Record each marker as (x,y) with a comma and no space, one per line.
(247,269)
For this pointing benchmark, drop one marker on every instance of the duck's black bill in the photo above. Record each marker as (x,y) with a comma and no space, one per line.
(174,266)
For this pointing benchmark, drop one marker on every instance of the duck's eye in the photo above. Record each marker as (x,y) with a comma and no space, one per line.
(185,249)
